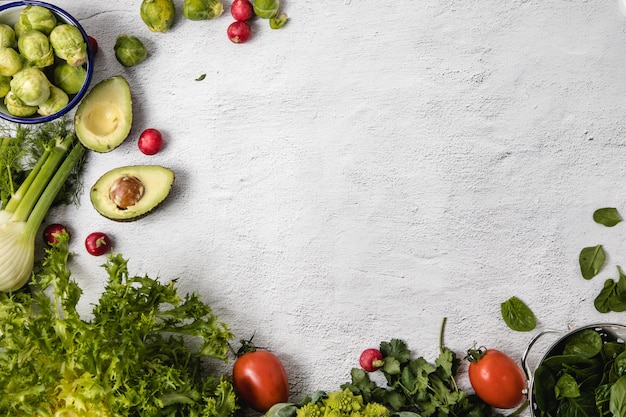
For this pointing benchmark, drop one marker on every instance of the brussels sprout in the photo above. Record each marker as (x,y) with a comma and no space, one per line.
(158,15)
(278,21)
(55,103)
(129,50)
(10,61)
(202,9)
(31,86)
(35,18)
(36,50)
(5,85)
(7,36)
(266,9)
(69,78)
(16,107)
(69,44)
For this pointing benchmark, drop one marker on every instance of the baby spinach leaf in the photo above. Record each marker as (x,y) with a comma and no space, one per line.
(544,389)
(612,297)
(603,301)
(617,402)
(517,315)
(591,260)
(607,216)
(566,387)
(586,343)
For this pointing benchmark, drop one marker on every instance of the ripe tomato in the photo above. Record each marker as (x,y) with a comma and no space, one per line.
(496,378)
(260,380)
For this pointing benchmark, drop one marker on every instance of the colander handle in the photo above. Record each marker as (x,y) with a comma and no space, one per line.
(527,370)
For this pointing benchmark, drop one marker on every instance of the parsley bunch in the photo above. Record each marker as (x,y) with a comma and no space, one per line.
(132,358)
(416,387)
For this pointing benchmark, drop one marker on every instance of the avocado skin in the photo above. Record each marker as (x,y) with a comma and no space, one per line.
(157,180)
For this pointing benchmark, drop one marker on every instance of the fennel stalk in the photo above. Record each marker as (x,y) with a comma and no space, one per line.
(27,207)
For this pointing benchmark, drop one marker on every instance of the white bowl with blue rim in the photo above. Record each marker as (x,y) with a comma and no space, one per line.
(9,15)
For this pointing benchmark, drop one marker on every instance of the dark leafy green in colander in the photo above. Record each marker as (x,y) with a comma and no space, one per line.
(586,378)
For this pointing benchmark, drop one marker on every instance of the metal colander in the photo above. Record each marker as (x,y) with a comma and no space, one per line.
(609,333)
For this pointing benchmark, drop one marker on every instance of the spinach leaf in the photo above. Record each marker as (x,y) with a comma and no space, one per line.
(618,368)
(591,260)
(612,297)
(607,216)
(611,350)
(617,402)
(544,389)
(517,315)
(603,301)
(586,343)
(566,387)
(582,406)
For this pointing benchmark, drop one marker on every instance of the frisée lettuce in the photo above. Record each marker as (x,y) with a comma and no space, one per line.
(143,352)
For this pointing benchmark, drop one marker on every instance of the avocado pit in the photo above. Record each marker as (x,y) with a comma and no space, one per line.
(130,192)
(126,191)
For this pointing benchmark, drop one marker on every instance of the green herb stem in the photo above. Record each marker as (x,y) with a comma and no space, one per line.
(40,181)
(54,186)
(15,199)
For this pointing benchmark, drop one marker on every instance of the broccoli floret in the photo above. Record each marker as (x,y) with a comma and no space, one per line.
(345,402)
(342,404)
(311,410)
(375,410)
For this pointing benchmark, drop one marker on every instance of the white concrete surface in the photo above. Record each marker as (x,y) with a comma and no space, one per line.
(372,168)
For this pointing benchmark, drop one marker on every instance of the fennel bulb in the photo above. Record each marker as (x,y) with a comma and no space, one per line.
(23,214)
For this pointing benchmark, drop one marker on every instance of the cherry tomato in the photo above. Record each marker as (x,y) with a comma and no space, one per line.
(260,379)
(97,243)
(496,378)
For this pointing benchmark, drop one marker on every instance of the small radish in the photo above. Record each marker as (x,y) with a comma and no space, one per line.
(52,231)
(150,141)
(242,10)
(94,44)
(239,32)
(371,359)
(97,243)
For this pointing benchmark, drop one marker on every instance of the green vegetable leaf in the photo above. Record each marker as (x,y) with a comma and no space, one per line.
(607,216)
(133,357)
(617,402)
(602,302)
(517,315)
(591,260)
(586,343)
(566,387)
(201,77)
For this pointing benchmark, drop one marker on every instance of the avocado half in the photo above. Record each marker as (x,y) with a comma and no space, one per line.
(104,117)
(130,192)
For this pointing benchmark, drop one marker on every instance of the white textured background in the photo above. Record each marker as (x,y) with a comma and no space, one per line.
(374,167)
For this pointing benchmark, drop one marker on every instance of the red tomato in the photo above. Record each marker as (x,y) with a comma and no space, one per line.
(496,378)
(260,380)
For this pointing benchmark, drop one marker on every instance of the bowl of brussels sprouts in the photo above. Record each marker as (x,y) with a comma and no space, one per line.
(46,62)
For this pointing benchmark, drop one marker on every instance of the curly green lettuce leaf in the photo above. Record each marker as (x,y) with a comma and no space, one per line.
(133,358)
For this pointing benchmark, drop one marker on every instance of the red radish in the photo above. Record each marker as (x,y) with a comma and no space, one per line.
(94,44)
(371,359)
(51,232)
(97,243)
(242,10)
(239,32)
(150,141)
